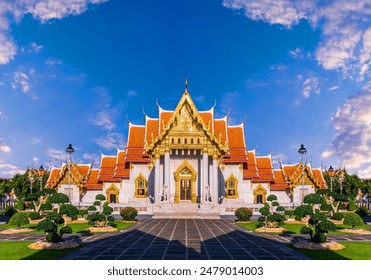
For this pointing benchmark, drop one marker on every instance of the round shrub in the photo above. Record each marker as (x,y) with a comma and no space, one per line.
(92,208)
(319,238)
(313,198)
(275,203)
(325,226)
(326,207)
(306,230)
(264,211)
(362,211)
(53,237)
(100,197)
(289,213)
(337,216)
(19,205)
(243,213)
(303,210)
(281,209)
(352,205)
(65,229)
(353,220)
(83,212)
(271,197)
(128,213)
(10,211)
(316,218)
(34,216)
(19,219)
(261,220)
(275,218)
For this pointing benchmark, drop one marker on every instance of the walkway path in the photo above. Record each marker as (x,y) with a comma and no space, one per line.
(187,239)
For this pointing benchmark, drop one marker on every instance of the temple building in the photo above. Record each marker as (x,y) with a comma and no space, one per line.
(186,162)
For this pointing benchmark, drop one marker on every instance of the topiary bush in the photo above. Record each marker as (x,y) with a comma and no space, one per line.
(128,213)
(83,212)
(337,216)
(19,205)
(353,220)
(326,207)
(34,216)
(352,205)
(271,197)
(361,211)
(307,230)
(243,213)
(289,213)
(19,219)
(275,203)
(319,238)
(280,209)
(10,211)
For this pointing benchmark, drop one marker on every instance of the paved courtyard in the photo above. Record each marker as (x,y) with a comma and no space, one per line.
(192,239)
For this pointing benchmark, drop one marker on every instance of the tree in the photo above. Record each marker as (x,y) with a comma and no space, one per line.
(332,198)
(68,212)
(52,227)
(303,213)
(57,199)
(270,220)
(102,217)
(19,219)
(40,198)
(130,213)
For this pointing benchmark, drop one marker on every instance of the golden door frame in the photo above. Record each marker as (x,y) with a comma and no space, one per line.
(179,176)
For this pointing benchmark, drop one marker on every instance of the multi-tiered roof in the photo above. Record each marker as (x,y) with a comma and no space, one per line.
(230,140)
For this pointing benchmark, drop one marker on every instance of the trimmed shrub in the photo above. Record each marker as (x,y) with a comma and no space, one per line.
(10,211)
(243,213)
(325,226)
(307,230)
(34,216)
(264,211)
(281,209)
(69,210)
(326,207)
(319,238)
(316,218)
(352,205)
(271,197)
(362,211)
(19,205)
(19,219)
(128,213)
(338,216)
(353,220)
(289,213)
(313,198)
(302,211)
(261,219)
(83,212)
(92,208)
(275,203)
(100,197)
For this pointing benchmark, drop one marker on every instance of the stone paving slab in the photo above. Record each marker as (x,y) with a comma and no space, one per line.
(188,239)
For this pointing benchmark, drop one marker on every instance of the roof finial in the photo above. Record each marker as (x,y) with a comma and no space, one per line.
(186,84)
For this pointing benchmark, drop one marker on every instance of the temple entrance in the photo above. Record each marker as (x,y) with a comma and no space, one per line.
(185,189)
(185,177)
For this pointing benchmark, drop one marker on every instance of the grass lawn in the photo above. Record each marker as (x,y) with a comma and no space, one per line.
(295,228)
(17,250)
(352,251)
(76,228)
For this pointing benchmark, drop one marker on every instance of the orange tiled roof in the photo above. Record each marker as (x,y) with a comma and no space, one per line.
(252,168)
(237,147)
(265,169)
(280,184)
(151,129)
(135,148)
(53,176)
(122,169)
(93,183)
(164,119)
(207,118)
(220,128)
(107,168)
(317,173)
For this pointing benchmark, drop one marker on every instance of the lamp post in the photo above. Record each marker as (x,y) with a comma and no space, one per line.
(302,151)
(331,173)
(69,150)
(341,179)
(41,173)
(30,178)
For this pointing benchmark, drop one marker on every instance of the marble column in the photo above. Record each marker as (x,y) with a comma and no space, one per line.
(214,192)
(158,189)
(205,174)
(167,174)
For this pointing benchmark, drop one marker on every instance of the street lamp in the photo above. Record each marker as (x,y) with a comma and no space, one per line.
(302,151)
(69,150)
(30,178)
(41,173)
(341,180)
(331,173)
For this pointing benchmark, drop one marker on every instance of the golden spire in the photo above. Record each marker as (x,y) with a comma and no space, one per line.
(186,84)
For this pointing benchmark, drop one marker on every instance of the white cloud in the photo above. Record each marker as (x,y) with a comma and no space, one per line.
(346,36)
(310,86)
(9,170)
(2,116)
(111,141)
(104,119)
(132,93)
(36,160)
(4,147)
(352,141)
(43,10)
(278,67)
(55,154)
(53,61)
(333,88)
(22,80)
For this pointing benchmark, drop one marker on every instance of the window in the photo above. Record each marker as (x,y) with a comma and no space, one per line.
(140,186)
(231,187)
(112,194)
(259,199)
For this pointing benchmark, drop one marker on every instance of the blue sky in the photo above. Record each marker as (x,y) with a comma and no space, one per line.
(72,70)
